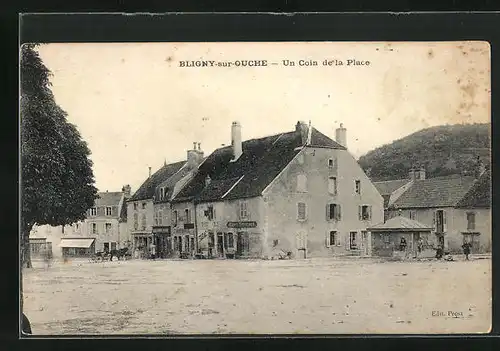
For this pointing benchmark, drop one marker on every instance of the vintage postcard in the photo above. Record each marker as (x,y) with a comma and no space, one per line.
(256,188)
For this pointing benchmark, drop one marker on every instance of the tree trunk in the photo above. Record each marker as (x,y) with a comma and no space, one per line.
(25,248)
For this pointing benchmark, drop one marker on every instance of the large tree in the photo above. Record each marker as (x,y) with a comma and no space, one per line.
(57,182)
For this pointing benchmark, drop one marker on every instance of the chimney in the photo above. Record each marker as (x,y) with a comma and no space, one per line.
(341,135)
(480,168)
(411,174)
(421,173)
(195,156)
(236,140)
(126,190)
(149,172)
(302,130)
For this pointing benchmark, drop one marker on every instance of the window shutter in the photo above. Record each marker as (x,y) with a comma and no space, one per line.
(327,239)
(444,221)
(370,212)
(347,241)
(339,212)
(434,221)
(327,212)
(360,213)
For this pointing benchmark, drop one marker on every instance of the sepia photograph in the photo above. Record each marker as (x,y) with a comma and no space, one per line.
(255,188)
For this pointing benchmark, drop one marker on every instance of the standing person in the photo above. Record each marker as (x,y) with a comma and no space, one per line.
(466,247)
(420,247)
(153,250)
(402,244)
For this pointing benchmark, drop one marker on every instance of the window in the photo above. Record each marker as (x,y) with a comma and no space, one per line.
(333,238)
(358,186)
(301,211)
(333,212)
(187,216)
(330,163)
(143,222)
(386,238)
(135,206)
(136,221)
(365,213)
(160,217)
(230,240)
(93,211)
(440,221)
(113,245)
(332,185)
(353,245)
(174,219)
(108,211)
(210,213)
(301,183)
(413,214)
(94,228)
(243,210)
(275,242)
(156,217)
(106,247)
(143,205)
(108,228)
(471,221)
(162,193)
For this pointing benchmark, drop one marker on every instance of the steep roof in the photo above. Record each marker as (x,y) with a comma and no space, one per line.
(400,223)
(435,192)
(111,198)
(386,188)
(123,211)
(147,189)
(261,161)
(389,186)
(170,183)
(479,195)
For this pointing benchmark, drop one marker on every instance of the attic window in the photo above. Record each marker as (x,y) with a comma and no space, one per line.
(330,163)
(135,206)
(108,211)
(162,193)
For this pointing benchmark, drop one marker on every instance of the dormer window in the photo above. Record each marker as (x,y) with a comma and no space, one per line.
(162,193)
(108,211)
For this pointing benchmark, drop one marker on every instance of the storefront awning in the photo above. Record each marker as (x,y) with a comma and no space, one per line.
(80,243)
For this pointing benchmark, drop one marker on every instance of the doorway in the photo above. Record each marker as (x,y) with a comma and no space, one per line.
(220,244)
(242,244)
(302,244)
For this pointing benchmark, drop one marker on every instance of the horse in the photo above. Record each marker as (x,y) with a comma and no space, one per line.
(118,253)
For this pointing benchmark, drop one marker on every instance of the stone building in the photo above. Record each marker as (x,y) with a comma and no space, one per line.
(299,192)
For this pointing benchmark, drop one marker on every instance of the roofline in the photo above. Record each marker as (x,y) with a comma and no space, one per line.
(283,170)
(421,207)
(399,229)
(232,187)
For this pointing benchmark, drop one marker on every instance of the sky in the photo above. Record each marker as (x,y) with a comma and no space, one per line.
(137,108)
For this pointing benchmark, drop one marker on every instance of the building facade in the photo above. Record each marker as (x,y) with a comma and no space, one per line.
(458,208)
(298,192)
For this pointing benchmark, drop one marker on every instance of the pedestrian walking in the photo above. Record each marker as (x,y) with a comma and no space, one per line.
(466,247)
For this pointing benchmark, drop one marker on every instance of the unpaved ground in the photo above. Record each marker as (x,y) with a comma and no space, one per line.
(236,296)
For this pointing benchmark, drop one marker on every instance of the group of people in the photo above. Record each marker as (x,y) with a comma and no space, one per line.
(439,249)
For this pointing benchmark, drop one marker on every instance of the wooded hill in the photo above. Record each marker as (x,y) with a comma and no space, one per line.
(442,150)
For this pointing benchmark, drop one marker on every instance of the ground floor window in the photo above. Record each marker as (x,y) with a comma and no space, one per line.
(106,247)
(113,245)
(353,244)
(333,239)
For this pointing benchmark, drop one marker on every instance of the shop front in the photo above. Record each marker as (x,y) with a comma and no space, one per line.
(142,244)
(162,238)
(77,247)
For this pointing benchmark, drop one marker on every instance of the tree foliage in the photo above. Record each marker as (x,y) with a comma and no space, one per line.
(57,181)
(442,150)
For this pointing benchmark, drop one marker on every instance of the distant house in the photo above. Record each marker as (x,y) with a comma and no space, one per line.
(298,191)
(149,210)
(173,228)
(103,229)
(387,238)
(457,207)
